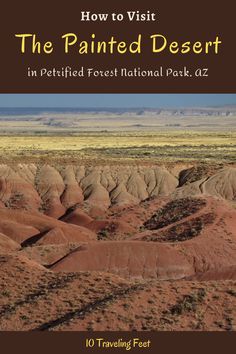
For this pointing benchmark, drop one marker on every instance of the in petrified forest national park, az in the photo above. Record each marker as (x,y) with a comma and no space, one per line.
(118,219)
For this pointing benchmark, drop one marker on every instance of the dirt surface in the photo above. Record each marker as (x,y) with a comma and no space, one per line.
(117,247)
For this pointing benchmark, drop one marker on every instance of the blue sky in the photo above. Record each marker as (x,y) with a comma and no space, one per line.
(116,100)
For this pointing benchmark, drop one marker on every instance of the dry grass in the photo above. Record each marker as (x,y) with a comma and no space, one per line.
(130,145)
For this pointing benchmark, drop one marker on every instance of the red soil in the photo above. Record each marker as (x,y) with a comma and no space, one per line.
(117,247)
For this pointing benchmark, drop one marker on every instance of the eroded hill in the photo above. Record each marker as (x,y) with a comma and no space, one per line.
(96,247)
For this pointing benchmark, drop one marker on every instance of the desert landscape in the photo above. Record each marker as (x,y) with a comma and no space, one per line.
(118,220)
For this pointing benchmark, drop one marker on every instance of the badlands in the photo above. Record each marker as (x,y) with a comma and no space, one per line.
(119,246)
(118,219)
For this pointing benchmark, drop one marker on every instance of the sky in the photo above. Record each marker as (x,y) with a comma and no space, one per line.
(116,100)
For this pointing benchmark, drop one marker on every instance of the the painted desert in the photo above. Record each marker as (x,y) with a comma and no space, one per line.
(118,220)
